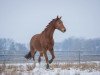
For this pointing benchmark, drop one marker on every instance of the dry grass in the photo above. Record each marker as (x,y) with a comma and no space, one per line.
(83,66)
(15,68)
(30,67)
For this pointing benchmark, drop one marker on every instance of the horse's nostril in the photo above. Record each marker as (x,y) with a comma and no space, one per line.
(64,30)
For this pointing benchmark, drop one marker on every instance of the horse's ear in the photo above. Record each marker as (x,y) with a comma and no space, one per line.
(60,17)
(57,17)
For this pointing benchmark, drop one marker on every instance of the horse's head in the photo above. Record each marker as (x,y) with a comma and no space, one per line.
(59,24)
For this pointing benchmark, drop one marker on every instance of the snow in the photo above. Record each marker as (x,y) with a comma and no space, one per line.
(58,71)
(39,69)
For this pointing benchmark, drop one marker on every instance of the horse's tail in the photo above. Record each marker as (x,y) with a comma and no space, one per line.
(28,56)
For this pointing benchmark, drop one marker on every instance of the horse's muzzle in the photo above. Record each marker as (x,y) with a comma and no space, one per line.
(63,30)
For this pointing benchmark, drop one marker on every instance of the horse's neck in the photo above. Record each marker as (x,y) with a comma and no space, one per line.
(49,32)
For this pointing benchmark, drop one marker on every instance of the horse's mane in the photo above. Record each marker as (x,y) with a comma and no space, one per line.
(49,25)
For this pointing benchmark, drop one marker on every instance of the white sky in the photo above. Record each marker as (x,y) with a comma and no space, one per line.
(21,19)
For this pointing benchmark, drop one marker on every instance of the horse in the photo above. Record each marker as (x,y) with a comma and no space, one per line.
(44,41)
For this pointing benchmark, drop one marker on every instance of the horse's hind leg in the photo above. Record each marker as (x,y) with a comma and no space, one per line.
(33,52)
(53,56)
(39,59)
(34,56)
(46,58)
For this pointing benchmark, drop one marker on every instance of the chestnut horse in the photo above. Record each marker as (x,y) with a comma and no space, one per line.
(44,41)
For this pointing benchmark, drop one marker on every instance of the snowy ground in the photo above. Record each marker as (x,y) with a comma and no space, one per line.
(56,69)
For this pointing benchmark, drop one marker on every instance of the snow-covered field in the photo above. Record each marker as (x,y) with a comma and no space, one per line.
(56,69)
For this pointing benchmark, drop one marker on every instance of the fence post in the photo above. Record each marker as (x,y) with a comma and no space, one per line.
(79,57)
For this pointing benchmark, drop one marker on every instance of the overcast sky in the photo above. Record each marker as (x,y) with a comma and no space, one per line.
(21,19)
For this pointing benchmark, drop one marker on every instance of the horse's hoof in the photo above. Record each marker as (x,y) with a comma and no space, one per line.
(50,61)
(39,60)
(47,66)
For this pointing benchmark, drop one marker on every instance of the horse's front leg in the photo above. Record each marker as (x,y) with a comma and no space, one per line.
(46,58)
(53,56)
